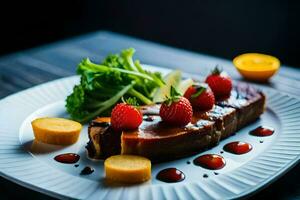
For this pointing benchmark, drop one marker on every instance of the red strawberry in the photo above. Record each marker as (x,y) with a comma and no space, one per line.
(176,110)
(189,92)
(125,117)
(201,97)
(220,84)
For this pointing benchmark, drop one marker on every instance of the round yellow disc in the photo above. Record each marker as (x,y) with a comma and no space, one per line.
(58,131)
(127,168)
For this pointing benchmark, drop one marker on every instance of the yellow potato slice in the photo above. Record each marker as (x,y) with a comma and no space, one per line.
(56,130)
(127,168)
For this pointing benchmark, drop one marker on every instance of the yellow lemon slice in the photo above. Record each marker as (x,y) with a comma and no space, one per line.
(256,66)
(127,168)
(56,130)
(171,79)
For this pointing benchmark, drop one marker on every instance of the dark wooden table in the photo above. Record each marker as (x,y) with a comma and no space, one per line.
(25,69)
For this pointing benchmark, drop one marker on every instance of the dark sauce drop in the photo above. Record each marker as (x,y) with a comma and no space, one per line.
(76,165)
(262,131)
(148,118)
(87,170)
(170,175)
(210,161)
(205,176)
(216,173)
(261,141)
(238,147)
(221,151)
(188,162)
(67,158)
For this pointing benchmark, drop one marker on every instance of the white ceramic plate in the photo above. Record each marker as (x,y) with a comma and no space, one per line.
(32,165)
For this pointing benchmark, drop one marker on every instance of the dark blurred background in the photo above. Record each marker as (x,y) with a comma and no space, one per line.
(216,27)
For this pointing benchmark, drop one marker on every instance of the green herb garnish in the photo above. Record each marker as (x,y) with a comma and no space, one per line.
(103,85)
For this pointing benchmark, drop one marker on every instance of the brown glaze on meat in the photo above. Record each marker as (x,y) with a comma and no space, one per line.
(159,141)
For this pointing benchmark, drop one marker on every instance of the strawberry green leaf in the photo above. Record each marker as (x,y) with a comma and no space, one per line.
(217,70)
(198,93)
(174,96)
(131,101)
(200,88)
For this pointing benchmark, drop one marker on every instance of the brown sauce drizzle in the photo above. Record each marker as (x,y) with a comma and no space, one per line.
(87,170)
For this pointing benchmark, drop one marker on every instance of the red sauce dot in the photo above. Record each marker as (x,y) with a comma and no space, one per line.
(237,147)
(210,161)
(262,131)
(67,158)
(170,175)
